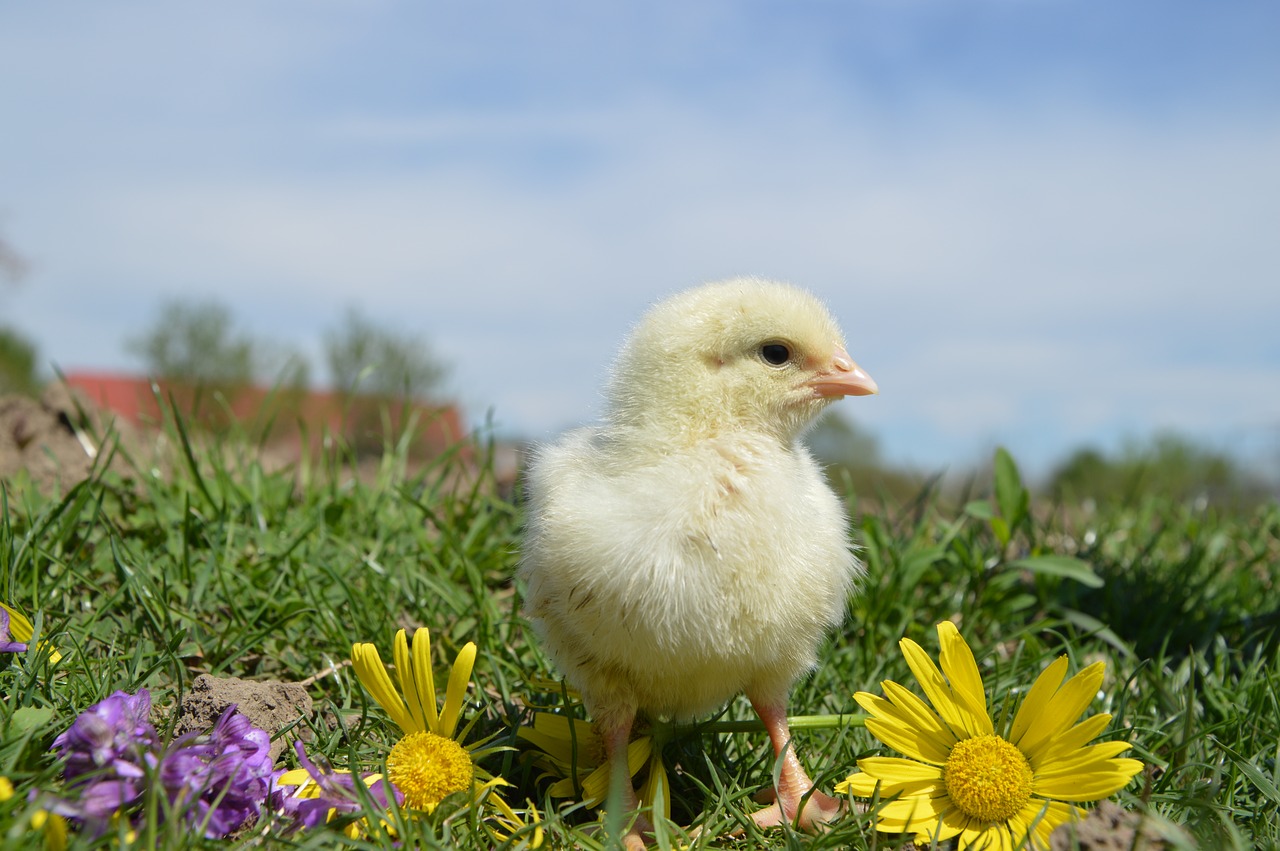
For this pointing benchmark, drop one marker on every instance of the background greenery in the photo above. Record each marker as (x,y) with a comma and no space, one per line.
(144,580)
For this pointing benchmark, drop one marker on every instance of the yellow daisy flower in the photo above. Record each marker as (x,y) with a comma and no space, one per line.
(962,779)
(430,762)
(573,750)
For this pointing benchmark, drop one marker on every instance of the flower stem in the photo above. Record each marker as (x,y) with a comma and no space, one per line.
(796,722)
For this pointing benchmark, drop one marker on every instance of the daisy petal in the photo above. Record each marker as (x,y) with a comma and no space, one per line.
(595,788)
(1064,707)
(895,778)
(638,754)
(1048,753)
(19,627)
(912,812)
(552,747)
(979,836)
(558,750)
(1089,785)
(896,770)
(563,788)
(373,674)
(424,680)
(910,710)
(908,741)
(873,704)
(402,657)
(1091,758)
(560,738)
(935,686)
(953,823)
(1037,699)
(456,691)
(1019,829)
(858,784)
(565,728)
(961,670)
(656,783)
(1045,817)
(911,714)
(293,777)
(865,786)
(20,631)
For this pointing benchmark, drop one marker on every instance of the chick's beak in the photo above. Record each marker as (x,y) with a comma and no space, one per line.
(843,377)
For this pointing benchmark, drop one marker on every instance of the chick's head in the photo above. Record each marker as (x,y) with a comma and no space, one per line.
(738,354)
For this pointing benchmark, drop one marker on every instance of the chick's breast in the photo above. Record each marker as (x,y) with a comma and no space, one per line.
(675,581)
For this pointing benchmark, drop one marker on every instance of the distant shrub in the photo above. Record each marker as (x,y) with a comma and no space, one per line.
(17,364)
(1170,465)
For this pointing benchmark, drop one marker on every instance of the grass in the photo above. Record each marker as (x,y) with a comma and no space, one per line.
(221,567)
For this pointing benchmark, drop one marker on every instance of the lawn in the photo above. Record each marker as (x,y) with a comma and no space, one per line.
(146,580)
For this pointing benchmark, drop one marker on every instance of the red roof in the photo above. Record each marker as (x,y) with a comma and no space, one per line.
(290,413)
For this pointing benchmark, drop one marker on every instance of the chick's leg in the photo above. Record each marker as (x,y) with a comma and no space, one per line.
(793,783)
(617,737)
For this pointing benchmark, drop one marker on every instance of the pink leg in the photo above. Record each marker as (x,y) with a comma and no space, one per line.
(616,738)
(793,782)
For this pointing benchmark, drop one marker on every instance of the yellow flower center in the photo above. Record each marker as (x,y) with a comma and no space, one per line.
(988,778)
(426,768)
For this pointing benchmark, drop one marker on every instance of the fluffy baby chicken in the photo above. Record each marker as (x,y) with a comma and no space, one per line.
(688,549)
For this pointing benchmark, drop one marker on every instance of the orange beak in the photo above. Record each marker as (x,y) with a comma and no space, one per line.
(843,377)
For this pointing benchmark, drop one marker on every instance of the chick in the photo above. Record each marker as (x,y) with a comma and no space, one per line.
(688,549)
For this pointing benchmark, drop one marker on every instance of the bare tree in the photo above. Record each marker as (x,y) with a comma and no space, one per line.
(195,343)
(205,363)
(381,374)
(365,358)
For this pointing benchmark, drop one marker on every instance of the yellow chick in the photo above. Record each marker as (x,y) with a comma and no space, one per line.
(688,549)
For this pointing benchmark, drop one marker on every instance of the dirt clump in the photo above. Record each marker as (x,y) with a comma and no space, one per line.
(59,438)
(271,706)
(1108,827)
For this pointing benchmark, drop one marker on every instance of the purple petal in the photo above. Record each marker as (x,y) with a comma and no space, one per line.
(225,773)
(7,646)
(114,732)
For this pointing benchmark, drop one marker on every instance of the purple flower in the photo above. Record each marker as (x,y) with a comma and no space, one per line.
(215,781)
(337,793)
(108,752)
(6,645)
(221,777)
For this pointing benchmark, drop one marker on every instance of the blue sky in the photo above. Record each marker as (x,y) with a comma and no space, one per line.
(1041,223)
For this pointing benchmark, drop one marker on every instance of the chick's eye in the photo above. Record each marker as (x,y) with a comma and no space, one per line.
(775,354)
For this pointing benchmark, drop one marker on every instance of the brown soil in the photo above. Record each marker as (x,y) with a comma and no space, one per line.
(271,706)
(58,438)
(1108,827)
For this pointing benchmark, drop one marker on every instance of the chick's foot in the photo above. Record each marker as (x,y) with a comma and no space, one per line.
(811,814)
(616,733)
(636,839)
(796,801)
